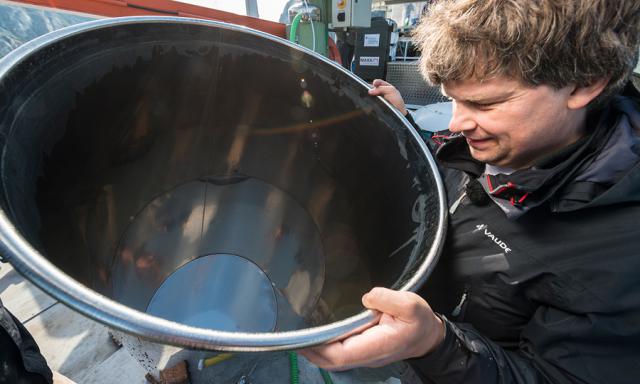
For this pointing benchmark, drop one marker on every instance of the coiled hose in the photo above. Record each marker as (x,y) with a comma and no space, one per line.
(295,375)
(293,367)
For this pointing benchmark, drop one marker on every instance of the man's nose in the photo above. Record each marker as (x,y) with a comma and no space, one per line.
(461,119)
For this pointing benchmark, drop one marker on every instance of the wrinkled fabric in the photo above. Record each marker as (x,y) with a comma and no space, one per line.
(20,358)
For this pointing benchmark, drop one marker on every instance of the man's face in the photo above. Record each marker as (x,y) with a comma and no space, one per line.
(509,124)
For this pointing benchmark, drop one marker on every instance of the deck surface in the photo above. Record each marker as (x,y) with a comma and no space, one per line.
(73,345)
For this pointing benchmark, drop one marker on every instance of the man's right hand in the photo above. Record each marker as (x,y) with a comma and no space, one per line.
(406,329)
(389,93)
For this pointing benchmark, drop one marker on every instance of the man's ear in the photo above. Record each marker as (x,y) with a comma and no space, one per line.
(582,96)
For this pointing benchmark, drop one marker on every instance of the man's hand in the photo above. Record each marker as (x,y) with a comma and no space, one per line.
(389,93)
(407,328)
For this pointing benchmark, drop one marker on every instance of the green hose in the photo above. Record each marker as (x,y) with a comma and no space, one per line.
(294,374)
(294,27)
(293,366)
(325,376)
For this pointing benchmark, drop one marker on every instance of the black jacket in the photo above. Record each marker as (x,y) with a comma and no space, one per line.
(544,288)
(20,358)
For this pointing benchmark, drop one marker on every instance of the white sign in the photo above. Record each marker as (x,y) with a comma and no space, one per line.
(369,61)
(372,40)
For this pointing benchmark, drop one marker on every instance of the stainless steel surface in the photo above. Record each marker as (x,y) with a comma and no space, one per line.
(235,215)
(226,292)
(134,146)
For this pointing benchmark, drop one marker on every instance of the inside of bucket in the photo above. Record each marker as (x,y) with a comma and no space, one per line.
(227,292)
(190,171)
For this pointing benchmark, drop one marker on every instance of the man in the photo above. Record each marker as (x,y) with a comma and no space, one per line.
(539,279)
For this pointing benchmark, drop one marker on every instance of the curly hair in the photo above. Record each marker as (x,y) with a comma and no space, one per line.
(552,42)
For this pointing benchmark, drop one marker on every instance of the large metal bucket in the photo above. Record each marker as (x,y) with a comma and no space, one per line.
(209,186)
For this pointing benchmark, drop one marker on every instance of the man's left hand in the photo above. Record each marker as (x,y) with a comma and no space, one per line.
(407,328)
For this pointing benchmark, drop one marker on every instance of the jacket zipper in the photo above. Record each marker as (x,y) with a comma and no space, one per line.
(456,203)
(463,299)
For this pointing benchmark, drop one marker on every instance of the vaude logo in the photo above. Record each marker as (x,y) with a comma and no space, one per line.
(485,229)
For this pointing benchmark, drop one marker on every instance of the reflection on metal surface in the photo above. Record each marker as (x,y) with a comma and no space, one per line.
(310,125)
(19,24)
(135,147)
(234,215)
(223,292)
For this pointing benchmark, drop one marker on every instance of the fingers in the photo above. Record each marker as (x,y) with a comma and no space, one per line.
(381,87)
(407,328)
(405,306)
(379,82)
(375,347)
(383,90)
(319,357)
(389,93)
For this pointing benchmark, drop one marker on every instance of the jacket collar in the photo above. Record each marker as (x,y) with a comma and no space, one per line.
(553,179)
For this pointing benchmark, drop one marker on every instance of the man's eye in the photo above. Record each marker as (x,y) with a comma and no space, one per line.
(483,105)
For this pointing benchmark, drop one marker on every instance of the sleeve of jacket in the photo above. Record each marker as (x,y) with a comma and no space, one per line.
(465,356)
(20,357)
(555,347)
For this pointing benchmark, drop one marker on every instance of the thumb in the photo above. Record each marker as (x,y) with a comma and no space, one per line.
(401,304)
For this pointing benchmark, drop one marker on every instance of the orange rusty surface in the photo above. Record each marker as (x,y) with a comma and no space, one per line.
(116,8)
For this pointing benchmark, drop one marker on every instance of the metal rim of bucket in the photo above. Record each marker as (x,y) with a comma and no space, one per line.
(40,271)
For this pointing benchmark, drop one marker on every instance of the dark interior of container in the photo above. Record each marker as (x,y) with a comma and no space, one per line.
(231,169)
